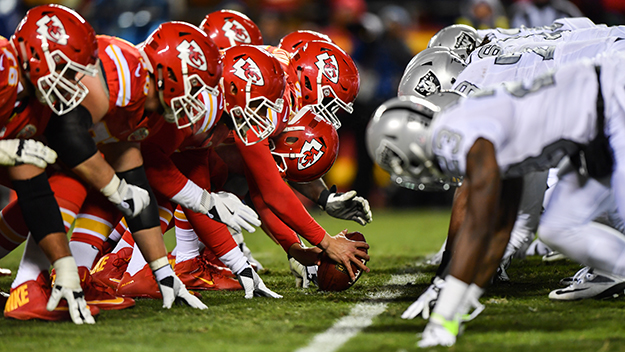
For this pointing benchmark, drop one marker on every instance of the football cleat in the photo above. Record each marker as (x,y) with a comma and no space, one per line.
(3,299)
(141,284)
(210,257)
(591,283)
(197,274)
(5,272)
(439,332)
(437,258)
(553,256)
(569,280)
(28,301)
(101,295)
(111,267)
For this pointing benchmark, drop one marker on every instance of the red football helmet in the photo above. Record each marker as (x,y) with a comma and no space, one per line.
(295,40)
(56,47)
(186,63)
(253,85)
(329,79)
(230,28)
(307,148)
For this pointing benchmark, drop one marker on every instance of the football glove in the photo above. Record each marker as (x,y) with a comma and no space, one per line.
(304,275)
(25,151)
(129,199)
(426,302)
(254,285)
(228,209)
(347,206)
(67,286)
(173,289)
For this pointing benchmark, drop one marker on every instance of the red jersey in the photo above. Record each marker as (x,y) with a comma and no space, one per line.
(127,81)
(9,79)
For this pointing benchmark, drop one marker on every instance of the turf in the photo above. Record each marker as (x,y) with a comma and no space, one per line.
(519,316)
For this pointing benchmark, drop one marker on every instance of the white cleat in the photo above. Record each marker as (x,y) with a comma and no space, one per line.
(439,332)
(567,281)
(553,256)
(590,283)
(437,258)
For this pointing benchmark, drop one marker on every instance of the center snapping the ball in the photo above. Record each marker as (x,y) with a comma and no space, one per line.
(333,276)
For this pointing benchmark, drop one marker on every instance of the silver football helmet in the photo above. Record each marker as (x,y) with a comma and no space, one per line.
(435,70)
(397,140)
(460,38)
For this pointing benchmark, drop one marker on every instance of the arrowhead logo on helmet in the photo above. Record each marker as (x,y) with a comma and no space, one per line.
(311,152)
(328,65)
(192,54)
(247,70)
(235,31)
(52,29)
(428,84)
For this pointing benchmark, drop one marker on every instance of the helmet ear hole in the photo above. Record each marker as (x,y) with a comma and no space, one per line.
(307,83)
(171,75)
(291,140)
(233,88)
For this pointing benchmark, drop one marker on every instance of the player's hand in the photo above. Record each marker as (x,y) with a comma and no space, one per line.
(304,275)
(25,151)
(254,285)
(348,206)
(345,251)
(173,290)
(129,199)
(67,286)
(426,302)
(228,209)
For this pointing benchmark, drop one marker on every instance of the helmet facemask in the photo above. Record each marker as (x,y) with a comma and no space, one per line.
(328,103)
(61,89)
(258,116)
(187,109)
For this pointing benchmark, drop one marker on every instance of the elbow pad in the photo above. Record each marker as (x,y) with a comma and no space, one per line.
(69,136)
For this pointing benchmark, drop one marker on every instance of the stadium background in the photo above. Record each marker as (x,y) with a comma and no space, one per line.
(381,36)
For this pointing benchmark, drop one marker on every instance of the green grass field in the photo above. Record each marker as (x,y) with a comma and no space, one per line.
(518,317)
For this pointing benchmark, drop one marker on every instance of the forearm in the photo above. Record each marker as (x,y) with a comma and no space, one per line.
(122,156)
(312,190)
(95,171)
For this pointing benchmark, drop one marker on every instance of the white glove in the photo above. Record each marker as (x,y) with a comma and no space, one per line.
(426,302)
(173,289)
(228,209)
(347,206)
(67,286)
(254,285)
(25,151)
(129,199)
(304,275)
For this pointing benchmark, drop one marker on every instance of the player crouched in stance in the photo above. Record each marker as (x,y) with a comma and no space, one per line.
(480,138)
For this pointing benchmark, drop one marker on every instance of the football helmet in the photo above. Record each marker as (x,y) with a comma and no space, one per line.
(230,28)
(307,147)
(444,98)
(460,38)
(186,63)
(397,140)
(295,40)
(435,70)
(328,77)
(56,48)
(253,84)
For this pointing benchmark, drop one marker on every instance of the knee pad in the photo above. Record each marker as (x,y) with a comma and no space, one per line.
(148,218)
(39,207)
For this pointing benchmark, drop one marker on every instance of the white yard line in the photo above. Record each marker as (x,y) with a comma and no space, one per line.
(360,317)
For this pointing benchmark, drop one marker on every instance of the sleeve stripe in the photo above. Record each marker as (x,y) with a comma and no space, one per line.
(123,74)
(211,111)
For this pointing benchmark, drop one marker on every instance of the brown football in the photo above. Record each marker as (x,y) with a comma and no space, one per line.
(333,276)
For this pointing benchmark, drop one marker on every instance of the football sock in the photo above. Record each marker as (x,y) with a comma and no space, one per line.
(83,253)
(137,262)
(33,262)
(235,260)
(450,297)
(121,245)
(187,243)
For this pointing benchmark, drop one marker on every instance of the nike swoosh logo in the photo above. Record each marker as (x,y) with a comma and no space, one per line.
(117,300)
(137,72)
(204,280)
(569,291)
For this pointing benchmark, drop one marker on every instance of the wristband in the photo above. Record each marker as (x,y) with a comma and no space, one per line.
(111,187)
(325,194)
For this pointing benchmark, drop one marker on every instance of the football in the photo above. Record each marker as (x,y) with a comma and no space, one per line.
(333,276)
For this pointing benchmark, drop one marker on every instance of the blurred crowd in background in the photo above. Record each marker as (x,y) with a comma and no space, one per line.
(380,35)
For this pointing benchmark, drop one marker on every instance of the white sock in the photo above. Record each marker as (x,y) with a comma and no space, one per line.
(474,292)
(137,262)
(121,245)
(83,253)
(187,244)
(33,262)
(450,297)
(235,260)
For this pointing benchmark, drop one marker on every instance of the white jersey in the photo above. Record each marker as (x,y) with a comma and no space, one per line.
(530,62)
(561,24)
(532,124)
